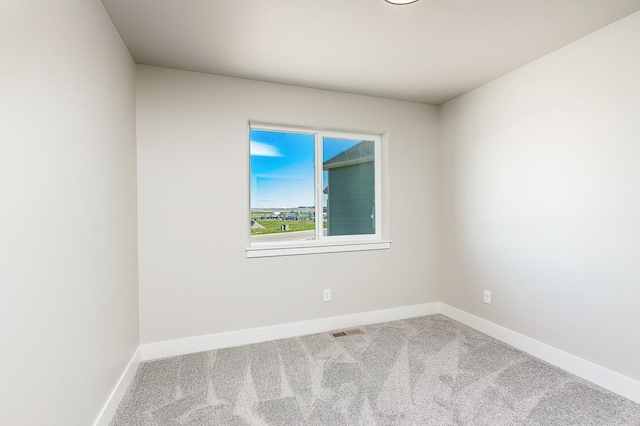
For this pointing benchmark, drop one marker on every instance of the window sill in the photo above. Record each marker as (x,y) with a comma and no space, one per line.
(317,248)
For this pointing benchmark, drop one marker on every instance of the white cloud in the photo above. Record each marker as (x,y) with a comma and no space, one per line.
(260,149)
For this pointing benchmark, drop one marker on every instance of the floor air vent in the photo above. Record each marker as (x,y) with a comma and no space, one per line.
(352,332)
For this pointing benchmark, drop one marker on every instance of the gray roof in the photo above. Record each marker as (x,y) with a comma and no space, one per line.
(360,153)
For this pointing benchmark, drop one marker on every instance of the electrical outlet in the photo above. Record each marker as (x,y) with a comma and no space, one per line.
(327,295)
(487,297)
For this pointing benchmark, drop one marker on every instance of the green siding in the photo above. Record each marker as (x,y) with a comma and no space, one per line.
(351,200)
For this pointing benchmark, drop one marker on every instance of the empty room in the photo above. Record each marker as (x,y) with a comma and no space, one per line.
(319,212)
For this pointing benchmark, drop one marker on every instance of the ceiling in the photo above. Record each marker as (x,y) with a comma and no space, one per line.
(429,52)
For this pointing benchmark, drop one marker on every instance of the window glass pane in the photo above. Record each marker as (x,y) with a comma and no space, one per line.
(282,186)
(348,186)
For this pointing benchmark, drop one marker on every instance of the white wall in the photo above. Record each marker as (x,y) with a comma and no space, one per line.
(68,253)
(541,199)
(193,181)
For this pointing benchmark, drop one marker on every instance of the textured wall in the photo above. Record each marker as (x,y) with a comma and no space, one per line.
(193,177)
(68,273)
(540,199)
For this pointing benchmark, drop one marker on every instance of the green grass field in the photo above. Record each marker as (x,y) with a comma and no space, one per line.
(273,226)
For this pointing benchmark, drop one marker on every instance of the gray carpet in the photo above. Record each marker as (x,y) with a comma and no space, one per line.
(423,371)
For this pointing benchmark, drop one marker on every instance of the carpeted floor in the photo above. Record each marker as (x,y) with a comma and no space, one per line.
(423,371)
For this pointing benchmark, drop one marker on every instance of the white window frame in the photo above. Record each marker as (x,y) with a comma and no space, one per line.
(322,243)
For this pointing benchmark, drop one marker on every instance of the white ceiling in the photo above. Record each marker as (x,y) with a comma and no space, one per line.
(430,51)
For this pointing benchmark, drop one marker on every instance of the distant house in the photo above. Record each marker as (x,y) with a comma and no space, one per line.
(351,191)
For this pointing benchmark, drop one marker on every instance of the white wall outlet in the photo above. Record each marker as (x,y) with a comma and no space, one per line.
(487,297)
(327,295)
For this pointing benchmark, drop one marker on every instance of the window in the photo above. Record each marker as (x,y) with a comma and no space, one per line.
(313,191)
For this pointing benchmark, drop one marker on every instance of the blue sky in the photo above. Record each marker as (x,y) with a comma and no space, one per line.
(282,167)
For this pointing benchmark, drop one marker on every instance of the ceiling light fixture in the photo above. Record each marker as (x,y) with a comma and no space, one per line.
(401,1)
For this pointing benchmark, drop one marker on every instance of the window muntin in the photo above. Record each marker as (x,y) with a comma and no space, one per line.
(313,187)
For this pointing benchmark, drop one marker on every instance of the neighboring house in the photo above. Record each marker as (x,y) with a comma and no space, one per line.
(292,215)
(351,191)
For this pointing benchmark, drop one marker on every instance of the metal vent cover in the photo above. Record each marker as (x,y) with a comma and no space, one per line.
(350,332)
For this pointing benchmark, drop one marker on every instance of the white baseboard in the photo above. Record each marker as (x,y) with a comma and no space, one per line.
(109,409)
(601,376)
(615,382)
(256,335)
